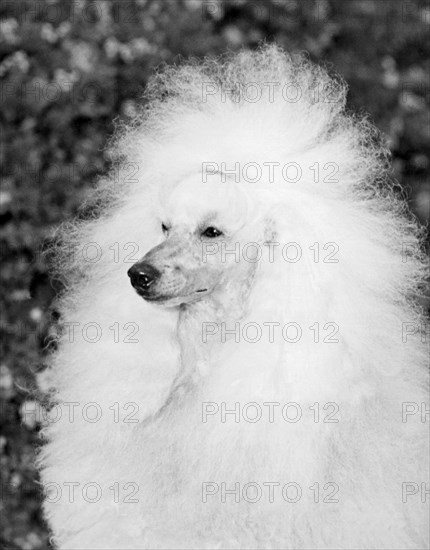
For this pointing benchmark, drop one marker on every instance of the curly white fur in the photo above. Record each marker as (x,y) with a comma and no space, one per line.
(169,453)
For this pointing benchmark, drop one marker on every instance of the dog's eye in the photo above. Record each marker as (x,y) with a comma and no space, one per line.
(212,233)
(164,228)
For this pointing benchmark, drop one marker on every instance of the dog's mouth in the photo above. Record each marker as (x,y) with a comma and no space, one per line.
(172,301)
(151,297)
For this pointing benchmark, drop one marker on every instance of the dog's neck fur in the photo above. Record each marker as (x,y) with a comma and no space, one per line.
(226,311)
(217,308)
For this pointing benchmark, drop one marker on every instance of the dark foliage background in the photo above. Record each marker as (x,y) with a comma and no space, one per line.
(68,68)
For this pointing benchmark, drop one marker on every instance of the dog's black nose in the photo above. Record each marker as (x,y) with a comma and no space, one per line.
(142,275)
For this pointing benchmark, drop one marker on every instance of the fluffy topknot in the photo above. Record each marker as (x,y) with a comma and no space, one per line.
(256,106)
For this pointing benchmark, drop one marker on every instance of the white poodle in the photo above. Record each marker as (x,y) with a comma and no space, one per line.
(261,383)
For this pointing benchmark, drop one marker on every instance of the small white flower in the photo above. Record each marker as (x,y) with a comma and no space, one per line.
(36,314)
(47,32)
(6,378)
(8,28)
(31,413)
(5,198)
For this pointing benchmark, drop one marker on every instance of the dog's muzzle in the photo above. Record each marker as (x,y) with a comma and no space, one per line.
(142,276)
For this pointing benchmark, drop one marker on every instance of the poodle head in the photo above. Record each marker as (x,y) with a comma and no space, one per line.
(204,227)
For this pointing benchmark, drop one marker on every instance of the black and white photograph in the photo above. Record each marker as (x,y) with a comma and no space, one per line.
(214,239)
